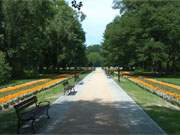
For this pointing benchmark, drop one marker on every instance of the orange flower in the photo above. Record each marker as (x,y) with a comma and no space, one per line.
(11,88)
(124,73)
(163,83)
(141,82)
(36,88)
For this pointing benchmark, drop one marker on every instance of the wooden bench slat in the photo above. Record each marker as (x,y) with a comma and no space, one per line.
(32,113)
(26,103)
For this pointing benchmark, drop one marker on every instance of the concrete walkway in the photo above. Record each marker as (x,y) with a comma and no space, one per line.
(100,106)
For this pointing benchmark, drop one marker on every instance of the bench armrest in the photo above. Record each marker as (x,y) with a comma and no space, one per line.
(46,103)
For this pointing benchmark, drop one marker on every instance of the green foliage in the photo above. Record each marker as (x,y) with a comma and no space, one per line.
(66,38)
(145,35)
(4,69)
(94,55)
(94,58)
(94,48)
(40,33)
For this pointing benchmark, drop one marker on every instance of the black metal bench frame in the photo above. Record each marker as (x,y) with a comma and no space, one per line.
(30,110)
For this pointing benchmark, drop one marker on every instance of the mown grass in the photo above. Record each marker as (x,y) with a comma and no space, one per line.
(8,119)
(175,81)
(169,78)
(25,80)
(16,82)
(164,113)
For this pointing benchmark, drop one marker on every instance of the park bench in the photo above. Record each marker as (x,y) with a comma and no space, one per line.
(68,88)
(29,110)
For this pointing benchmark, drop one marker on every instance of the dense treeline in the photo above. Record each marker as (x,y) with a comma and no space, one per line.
(94,55)
(39,33)
(145,36)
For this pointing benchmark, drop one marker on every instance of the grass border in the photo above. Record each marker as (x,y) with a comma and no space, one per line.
(161,111)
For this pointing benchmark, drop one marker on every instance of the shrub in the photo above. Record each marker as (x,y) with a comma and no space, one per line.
(4,69)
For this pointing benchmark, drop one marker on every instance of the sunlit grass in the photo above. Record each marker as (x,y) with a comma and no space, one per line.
(175,81)
(8,119)
(16,82)
(164,113)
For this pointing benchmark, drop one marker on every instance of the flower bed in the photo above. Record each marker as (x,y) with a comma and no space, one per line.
(170,96)
(8,100)
(165,93)
(123,73)
(163,83)
(11,88)
(160,86)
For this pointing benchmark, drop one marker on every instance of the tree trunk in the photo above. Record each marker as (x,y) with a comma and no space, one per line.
(118,74)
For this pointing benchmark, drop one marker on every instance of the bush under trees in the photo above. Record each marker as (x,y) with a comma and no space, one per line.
(4,69)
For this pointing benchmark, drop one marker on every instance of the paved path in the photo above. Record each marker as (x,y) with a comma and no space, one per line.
(99,107)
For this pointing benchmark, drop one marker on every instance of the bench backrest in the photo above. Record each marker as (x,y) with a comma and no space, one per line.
(26,103)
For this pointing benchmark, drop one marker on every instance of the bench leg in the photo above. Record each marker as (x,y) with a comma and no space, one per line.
(18,127)
(32,126)
(47,113)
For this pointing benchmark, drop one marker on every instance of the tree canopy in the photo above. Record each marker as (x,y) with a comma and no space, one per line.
(94,55)
(145,35)
(40,33)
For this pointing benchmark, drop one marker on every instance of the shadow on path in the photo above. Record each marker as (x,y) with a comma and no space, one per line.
(95,117)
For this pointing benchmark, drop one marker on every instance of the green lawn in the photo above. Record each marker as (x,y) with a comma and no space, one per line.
(171,78)
(175,81)
(161,111)
(25,80)
(8,119)
(16,82)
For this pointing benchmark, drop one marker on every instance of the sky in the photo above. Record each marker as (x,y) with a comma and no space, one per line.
(99,13)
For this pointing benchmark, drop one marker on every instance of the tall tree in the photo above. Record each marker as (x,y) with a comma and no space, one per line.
(145,34)
(94,55)
(40,33)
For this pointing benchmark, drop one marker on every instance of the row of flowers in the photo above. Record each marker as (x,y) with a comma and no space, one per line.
(123,73)
(163,83)
(11,88)
(19,95)
(126,74)
(20,86)
(154,89)
(161,92)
